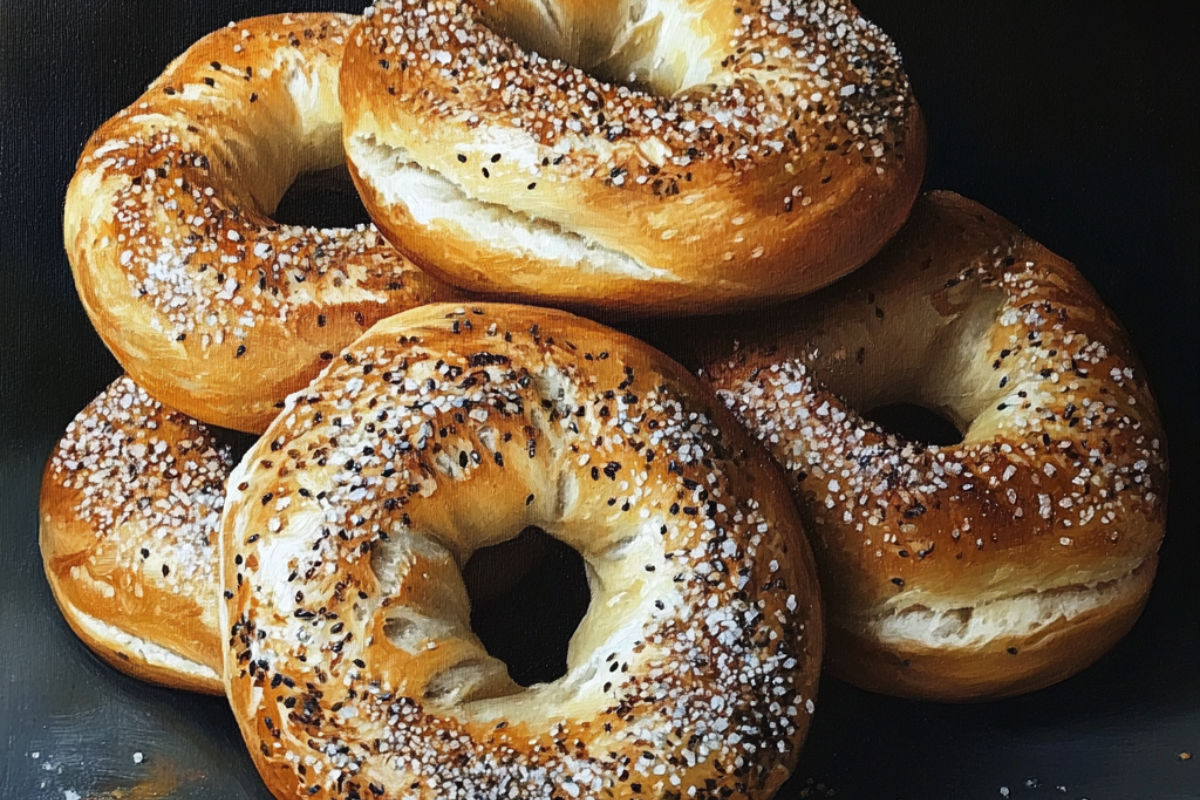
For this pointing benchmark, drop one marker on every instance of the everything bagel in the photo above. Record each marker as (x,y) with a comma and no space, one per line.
(130,504)
(986,568)
(352,667)
(641,158)
(213,307)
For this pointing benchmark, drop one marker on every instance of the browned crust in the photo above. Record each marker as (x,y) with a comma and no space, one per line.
(120,654)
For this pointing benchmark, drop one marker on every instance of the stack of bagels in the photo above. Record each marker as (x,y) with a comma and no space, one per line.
(740,182)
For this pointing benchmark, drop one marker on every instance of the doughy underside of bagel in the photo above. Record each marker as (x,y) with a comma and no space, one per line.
(432,199)
(1015,616)
(117,643)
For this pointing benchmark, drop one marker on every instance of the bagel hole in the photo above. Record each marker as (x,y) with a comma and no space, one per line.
(659,49)
(916,424)
(529,621)
(323,199)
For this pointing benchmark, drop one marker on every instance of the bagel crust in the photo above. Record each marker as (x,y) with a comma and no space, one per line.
(641,158)
(130,504)
(203,299)
(982,569)
(352,668)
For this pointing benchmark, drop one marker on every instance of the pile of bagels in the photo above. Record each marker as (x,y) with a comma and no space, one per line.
(738,182)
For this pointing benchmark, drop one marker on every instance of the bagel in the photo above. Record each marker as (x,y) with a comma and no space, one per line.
(204,300)
(637,158)
(130,503)
(352,668)
(982,569)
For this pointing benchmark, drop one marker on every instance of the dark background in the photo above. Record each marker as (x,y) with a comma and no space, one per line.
(1076,120)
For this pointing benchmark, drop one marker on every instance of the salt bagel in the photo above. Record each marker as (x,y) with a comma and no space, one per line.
(641,158)
(130,503)
(352,668)
(981,569)
(208,303)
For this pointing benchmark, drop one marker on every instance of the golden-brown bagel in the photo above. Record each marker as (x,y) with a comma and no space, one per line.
(130,504)
(213,307)
(981,569)
(641,158)
(352,668)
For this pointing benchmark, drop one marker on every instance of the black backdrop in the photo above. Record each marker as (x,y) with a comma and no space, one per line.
(1076,120)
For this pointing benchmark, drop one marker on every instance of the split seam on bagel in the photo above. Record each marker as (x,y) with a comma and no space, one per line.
(427,195)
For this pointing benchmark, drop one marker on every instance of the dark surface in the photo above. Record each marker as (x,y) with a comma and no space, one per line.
(1076,121)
